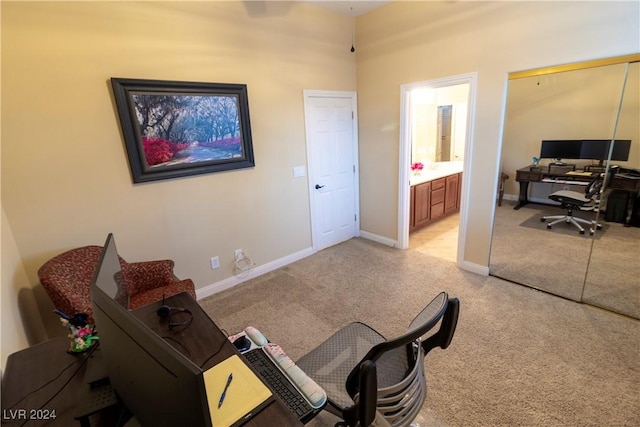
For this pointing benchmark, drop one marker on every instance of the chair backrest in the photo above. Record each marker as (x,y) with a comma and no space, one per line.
(67,276)
(593,188)
(400,402)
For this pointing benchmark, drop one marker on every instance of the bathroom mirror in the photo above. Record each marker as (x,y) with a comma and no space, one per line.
(439,125)
(574,102)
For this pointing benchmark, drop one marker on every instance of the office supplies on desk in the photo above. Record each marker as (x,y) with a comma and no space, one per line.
(224,392)
(244,397)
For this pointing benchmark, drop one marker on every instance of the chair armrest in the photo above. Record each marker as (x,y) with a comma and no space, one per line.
(157,294)
(147,275)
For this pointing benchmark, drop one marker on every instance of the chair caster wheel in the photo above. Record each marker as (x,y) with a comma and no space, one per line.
(549,226)
(581,231)
(543,219)
(598,227)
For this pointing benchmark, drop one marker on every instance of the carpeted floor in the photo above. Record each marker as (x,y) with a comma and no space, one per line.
(603,271)
(534,222)
(520,357)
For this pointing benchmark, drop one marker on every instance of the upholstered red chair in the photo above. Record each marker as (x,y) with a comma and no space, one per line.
(67,277)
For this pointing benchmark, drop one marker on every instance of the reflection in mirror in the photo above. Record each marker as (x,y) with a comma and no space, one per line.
(613,277)
(527,246)
(439,124)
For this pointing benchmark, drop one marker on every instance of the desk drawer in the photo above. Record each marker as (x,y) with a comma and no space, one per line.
(528,176)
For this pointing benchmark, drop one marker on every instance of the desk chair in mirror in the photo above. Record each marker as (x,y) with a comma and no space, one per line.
(370,379)
(574,200)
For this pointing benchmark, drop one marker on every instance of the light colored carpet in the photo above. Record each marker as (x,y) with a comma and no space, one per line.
(564,227)
(520,357)
(604,272)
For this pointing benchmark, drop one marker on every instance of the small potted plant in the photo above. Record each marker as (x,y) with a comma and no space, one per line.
(417,168)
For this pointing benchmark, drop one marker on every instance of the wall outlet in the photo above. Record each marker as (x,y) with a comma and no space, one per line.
(215,263)
(237,253)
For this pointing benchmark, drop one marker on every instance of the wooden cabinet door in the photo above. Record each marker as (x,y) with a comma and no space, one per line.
(422,204)
(452,195)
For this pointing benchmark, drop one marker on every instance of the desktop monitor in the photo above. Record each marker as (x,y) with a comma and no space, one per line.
(598,149)
(560,149)
(159,385)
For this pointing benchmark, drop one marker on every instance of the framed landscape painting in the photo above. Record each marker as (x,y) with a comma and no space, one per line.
(175,129)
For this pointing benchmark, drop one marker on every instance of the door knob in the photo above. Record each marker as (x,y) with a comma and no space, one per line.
(319,186)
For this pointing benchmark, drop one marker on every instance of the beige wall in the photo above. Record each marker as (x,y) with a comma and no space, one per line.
(406,42)
(65,176)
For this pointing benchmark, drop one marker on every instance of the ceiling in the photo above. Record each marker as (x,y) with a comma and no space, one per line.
(350,7)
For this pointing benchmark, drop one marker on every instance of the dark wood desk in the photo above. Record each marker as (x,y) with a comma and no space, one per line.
(45,377)
(41,384)
(525,175)
(205,345)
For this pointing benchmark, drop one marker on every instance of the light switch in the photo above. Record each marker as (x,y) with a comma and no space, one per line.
(299,171)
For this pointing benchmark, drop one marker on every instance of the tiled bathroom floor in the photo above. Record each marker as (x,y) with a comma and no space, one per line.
(439,239)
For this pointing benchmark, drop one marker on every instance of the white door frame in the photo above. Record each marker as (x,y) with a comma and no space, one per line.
(308,94)
(405,155)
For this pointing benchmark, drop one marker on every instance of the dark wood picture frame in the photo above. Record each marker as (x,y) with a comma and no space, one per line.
(173,129)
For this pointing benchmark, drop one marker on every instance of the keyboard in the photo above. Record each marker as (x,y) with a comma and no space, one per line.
(579,173)
(280,384)
(564,181)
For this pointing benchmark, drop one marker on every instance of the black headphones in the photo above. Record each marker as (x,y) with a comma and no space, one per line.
(165,312)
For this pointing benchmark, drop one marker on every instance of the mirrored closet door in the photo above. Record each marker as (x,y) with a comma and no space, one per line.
(578,109)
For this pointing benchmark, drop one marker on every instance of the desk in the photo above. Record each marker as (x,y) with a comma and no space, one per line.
(199,341)
(41,384)
(525,175)
(29,369)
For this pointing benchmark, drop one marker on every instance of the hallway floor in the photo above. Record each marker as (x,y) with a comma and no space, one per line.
(439,239)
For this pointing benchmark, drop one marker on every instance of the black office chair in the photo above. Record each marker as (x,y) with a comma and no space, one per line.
(574,200)
(367,376)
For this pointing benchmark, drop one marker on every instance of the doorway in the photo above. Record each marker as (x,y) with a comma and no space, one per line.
(462,124)
(332,159)
(443,147)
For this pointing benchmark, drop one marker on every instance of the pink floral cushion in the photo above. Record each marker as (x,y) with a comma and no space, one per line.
(67,277)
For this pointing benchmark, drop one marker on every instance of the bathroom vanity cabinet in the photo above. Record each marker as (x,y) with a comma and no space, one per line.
(434,199)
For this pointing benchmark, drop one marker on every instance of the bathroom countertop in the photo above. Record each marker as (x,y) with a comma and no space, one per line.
(439,171)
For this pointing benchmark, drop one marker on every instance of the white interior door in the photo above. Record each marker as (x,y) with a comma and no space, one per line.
(332,149)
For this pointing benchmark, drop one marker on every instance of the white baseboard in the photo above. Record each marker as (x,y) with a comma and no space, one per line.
(230,282)
(474,268)
(380,239)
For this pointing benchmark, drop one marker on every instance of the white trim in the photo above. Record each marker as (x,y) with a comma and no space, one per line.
(482,270)
(230,282)
(307,94)
(467,169)
(405,157)
(379,239)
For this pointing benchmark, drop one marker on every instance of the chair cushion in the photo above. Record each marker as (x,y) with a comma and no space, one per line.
(569,197)
(331,362)
(157,294)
